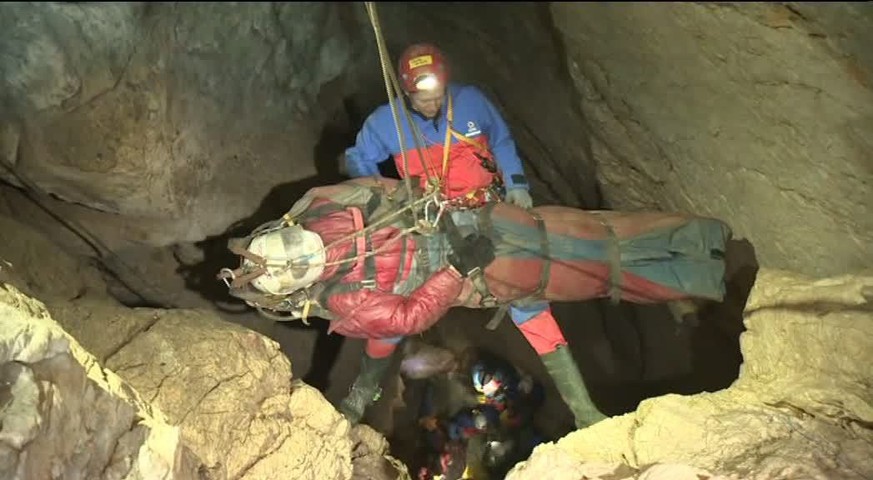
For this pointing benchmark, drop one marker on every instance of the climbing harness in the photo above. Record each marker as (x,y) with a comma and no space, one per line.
(482,195)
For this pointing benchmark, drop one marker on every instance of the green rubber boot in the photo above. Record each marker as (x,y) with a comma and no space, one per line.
(563,370)
(366,389)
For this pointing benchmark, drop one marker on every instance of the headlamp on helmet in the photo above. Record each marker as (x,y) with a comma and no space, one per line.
(484,382)
(427,82)
(422,67)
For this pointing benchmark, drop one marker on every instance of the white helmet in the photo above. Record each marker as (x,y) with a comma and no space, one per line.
(295,259)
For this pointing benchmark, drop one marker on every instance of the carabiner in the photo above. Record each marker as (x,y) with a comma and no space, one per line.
(225,273)
(439,214)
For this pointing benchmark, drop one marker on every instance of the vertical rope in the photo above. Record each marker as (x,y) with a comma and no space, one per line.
(392,82)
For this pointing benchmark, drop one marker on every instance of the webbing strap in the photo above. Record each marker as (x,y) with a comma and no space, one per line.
(402,264)
(546,254)
(372,204)
(362,250)
(500,314)
(613,255)
(369,282)
(477,276)
(485,225)
(498,317)
(360,240)
(241,279)
(375,201)
(480,149)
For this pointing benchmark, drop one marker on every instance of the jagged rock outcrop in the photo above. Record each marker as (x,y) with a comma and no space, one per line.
(228,389)
(371,458)
(801,408)
(755,113)
(151,115)
(62,415)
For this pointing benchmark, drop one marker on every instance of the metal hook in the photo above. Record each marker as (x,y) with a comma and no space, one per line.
(439,214)
(225,274)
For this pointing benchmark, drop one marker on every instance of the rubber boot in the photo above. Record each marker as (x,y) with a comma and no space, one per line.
(366,389)
(563,370)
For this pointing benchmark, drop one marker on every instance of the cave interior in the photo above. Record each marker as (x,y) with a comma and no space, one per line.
(615,110)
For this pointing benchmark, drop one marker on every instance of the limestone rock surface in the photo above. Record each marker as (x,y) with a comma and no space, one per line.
(143,117)
(755,113)
(62,415)
(230,390)
(227,390)
(801,408)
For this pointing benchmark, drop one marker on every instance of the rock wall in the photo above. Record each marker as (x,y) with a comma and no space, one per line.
(228,391)
(143,118)
(65,416)
(801,408)
(755,113)
(751,112)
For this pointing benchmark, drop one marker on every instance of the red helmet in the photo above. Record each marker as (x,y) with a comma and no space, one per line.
(422,67)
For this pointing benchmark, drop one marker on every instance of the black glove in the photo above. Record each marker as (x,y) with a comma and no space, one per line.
(474,251)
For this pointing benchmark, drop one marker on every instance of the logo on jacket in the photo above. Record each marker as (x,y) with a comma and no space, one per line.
(472,130)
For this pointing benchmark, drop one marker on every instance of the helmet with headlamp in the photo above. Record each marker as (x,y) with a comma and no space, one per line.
(422,67)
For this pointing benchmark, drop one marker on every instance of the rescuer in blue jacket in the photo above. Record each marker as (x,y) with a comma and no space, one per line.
(481,155)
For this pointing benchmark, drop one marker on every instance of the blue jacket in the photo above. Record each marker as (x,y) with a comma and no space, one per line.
(474,115)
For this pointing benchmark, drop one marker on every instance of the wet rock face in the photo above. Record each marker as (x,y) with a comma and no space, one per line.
(151,116)
(63,416)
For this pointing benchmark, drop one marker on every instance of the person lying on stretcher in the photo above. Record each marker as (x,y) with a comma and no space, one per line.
(350,254)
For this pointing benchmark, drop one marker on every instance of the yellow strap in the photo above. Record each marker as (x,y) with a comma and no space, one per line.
(466,140)
(449,117)
(451,132)
(306,309)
